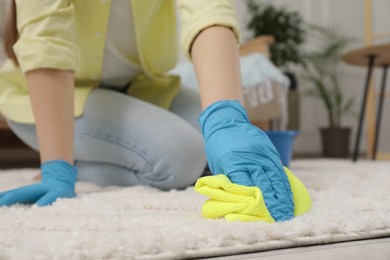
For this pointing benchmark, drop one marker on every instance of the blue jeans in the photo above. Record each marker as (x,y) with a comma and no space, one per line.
(121,140)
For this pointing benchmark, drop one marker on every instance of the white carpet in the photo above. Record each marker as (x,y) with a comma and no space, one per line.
(350,201)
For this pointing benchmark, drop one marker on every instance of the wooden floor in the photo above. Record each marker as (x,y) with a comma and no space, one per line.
(373,249)
(14,153)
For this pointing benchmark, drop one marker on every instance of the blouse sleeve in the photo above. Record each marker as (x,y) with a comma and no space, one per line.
(47,30)
(200,14)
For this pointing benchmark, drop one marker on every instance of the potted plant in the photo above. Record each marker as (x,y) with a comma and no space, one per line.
(322,71)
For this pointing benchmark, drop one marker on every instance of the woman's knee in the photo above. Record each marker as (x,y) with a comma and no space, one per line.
(172,164)
(160,148)
(181,163)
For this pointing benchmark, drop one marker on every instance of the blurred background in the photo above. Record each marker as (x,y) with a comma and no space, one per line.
(368,23)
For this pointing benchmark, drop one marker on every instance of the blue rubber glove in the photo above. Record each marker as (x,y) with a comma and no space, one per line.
(246,155)
(58,181)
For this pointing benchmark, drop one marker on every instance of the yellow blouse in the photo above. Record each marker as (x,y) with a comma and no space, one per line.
(70,35)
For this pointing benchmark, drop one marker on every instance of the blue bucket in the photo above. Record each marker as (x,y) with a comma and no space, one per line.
(283,141)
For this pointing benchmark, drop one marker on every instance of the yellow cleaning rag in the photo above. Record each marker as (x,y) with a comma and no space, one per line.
(238,202)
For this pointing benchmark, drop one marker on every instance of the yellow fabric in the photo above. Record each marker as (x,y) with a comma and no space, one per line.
(237,202)
(70,35)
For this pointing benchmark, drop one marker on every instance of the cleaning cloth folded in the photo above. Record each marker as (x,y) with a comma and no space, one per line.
(238,202)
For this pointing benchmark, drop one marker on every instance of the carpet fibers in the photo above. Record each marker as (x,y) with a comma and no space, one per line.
(350,201)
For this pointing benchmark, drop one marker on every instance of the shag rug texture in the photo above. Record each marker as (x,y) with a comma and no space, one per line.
(350,201)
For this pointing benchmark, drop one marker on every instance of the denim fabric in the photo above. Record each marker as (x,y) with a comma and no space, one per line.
(121,140)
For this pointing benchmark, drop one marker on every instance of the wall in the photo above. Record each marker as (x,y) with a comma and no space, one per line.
(349,16)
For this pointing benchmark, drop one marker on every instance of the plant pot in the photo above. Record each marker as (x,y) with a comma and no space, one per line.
(283,142)
(335,142)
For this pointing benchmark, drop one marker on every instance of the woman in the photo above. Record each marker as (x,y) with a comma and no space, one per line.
(134,125)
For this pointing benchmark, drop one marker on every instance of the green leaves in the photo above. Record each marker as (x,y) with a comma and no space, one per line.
(322,70)
(286,26)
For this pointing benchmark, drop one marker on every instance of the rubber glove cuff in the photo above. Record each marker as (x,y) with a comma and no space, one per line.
(59,170)
(223,111)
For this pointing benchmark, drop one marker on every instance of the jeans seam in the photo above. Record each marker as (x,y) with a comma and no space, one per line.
(126,144)
(121,143)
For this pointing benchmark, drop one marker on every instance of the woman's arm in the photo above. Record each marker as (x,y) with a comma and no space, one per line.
(51,94)
(234,147)
(47,39)
(216,61)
